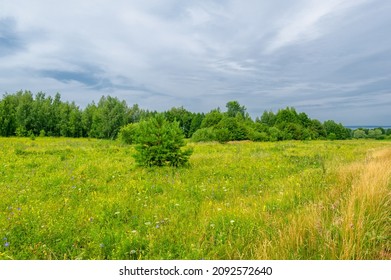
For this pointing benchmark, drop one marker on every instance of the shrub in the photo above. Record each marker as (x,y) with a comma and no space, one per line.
(204,135)
(159,143)
(257,136)
(223,135)
(21,132)
(275,134)
(128,133)
(332,136)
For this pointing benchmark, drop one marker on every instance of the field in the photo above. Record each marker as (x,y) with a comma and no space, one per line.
(85,199)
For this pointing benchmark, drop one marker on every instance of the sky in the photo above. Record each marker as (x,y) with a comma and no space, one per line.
(330,59)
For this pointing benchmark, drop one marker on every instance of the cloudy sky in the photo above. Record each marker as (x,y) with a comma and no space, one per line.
(330,59)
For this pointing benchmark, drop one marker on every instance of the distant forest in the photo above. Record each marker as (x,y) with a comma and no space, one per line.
(24,114)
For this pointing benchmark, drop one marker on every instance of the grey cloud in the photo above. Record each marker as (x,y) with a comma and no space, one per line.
(326,58)
(10,40)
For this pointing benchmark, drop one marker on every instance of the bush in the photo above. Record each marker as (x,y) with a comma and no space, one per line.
(128,133)
(237,130)
(21,132)
(275,134)
(259,136)
(223,135)
(204,135)
(160,142)
(332,136)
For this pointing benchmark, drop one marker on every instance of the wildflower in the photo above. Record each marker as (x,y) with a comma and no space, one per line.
(157,226)
(6,244)
(232,222)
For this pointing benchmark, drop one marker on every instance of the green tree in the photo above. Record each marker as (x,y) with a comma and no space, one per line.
(212,118)
(317,129)
(75,124)
(287,115)
(234,108)
(7,115)
(181,115)
(338,130)
(268,118)
(88,119)
(196,122)
(235,126)
(108,118)
(160,143)
(24,116)
(359,133)
(375,133)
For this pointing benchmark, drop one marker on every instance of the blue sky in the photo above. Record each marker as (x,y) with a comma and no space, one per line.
(330,59)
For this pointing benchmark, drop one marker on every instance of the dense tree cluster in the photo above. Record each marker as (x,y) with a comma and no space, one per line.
(22,114)
(286,124)
(25,114)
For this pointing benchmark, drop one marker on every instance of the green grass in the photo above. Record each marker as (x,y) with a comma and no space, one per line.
(86,199)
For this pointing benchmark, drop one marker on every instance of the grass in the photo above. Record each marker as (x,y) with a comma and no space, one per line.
(85,199)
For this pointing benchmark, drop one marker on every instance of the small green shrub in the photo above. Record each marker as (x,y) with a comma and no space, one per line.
(31,135)
(223,135)
(128,133)
(204,135)
(160,142)
(259,136)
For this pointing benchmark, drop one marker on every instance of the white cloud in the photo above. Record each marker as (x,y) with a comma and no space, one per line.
(307,22)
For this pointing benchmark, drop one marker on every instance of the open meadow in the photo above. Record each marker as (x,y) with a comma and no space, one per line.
(63,198)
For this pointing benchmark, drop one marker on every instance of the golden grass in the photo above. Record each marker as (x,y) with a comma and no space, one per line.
(351,221)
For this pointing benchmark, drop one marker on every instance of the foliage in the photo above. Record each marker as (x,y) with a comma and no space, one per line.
(129,133)
(160,142)
(23,113)
(268,118)
(204,135)
(359,133)
(236,129)
(212,118)
(340,132)
(183,117)
(234,108)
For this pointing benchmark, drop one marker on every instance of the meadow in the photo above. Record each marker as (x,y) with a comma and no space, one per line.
(63,198)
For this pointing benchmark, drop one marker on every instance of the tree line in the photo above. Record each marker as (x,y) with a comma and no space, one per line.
(24,114)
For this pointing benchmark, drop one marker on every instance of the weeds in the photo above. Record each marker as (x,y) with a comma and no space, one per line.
(86,199)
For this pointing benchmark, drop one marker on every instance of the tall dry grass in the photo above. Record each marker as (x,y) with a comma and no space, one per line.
(351,221)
